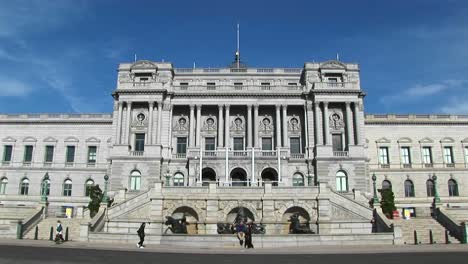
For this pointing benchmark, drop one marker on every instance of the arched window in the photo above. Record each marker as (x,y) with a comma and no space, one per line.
(452,187)
(24,187)
(386,185)
(67,187)
(430,188)
(135,180)
(3,185)
(298,179)
(178,179)
(341,181)
(88,185)
(43,184)
(409,188)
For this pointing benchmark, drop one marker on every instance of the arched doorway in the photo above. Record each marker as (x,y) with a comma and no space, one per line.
(190,215)
(208,175)
(240,213)
(238,177)
(270,175)
(302,215)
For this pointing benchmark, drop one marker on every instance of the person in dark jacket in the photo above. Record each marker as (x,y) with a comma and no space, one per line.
(141,235)
(248,236)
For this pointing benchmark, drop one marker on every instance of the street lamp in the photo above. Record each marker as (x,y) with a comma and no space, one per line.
(104,195)
(45,187)
(436,193)
(375,199)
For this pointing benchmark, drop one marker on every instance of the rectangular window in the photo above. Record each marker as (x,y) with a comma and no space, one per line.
(183,85)
(448,155)
(427,155)
(140,142)
(265,85)
(211,86)
(238,143)
(333,80)
(295,145)
(267,144)
(383,155)
(210,143)
(92,152)
(238,86)
(70,154)
(7,152)
(28,153)
(405,155)
(181,145)
(337,142)
(49,155)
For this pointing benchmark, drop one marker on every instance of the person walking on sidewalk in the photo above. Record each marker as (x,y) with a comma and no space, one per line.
(141,235)
(59,233)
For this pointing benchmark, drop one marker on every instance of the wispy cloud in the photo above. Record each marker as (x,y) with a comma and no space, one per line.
(455,105)
(13,88)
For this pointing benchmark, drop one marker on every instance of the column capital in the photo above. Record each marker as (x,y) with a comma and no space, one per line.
(285,106)
(227,106)
(151,103)
(348,104)
(256,106)
(220,106)
(129,103)
(192,106)
(277,106)
(199,106)
(120,103)
(325,104)
(249,107)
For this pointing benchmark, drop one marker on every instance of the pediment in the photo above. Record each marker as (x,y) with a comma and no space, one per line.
(426,140)
(72,139)
(8,139)
(50,139)
(93,140)
(383,140)
(405,140)
(143,64)
(332,64)
(447,140)
(29,139)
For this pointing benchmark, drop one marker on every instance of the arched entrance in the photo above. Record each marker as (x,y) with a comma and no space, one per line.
(240,213)
(301,214)
(191,217)
(270,175)
(208,175)
(238,177)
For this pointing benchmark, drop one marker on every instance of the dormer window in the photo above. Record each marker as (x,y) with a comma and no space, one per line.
(238,85)
(333,79)
(143,77)
(184,85)
(211,86)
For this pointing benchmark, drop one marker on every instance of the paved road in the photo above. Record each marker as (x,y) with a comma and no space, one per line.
(26,254)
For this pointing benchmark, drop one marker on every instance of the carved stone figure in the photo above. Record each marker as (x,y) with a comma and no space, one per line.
(296,227)
(265,124)
(336,122)
(181,124)
(294,126)
(237,124)
(210,124)
(177,226)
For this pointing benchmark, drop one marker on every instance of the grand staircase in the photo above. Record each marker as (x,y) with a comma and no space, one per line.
(44,226)
(422,226)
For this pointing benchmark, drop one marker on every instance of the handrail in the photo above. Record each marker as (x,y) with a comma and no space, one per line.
(30,222)
(456,230)
(382,223)
(97,223)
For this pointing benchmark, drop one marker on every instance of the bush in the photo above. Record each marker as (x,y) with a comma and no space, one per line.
(96,197)
(388,202)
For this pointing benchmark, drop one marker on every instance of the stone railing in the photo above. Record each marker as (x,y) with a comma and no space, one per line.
(455,229)
(137,153)
(336,85)
(382,224)
(55,165)
(239,88)
(97,223)
(340,153)
(295,71)
(104,117)
(32,221)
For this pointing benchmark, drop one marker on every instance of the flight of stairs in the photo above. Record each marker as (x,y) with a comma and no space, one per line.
(73,225)
(458,214)
(422,226)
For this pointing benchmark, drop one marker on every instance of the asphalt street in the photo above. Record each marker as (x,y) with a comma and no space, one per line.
(26,254)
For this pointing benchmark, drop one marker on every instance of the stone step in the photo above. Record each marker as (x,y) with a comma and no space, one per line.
(45,225)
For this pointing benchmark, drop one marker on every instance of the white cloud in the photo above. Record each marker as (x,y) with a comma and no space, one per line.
(13,88)
(455,106)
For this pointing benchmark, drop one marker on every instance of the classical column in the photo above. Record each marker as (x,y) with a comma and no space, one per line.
(278,126)
(118,137)
(249,126)
(226,128)
(349,124)
(129,120)
(357,124)
(285,126)
(318,127)
(326,127)
(220,126)
(150,123)
(198,126)
(160,107)
(192,121)
(306,129)
(255,126)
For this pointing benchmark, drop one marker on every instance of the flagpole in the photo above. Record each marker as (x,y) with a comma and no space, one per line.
(238,53)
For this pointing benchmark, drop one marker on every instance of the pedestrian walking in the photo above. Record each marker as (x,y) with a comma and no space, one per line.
(141,235)
(240,229)
(59,233)
(248,236)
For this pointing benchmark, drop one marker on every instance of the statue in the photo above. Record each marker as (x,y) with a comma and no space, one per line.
(177,226)
(296,227)
(229,228)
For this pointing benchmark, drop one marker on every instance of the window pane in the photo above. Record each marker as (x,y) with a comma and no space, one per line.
(92,154)
(3,185)
(28,152)
(238,143)
(337,142)
(49,156)
(7,153)
(266,144)
(210,143)
(70,154)
(383,155)
(448,155)
(181,145)
(405,155)
(427,155)
(295,145)
(139,142)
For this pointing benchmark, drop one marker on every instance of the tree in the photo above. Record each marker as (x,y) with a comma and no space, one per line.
(96,197)
(388,202)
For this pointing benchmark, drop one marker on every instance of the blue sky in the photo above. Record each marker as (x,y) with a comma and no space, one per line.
(62,56)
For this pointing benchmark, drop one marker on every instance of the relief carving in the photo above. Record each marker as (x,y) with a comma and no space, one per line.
(336,121)
(294,126)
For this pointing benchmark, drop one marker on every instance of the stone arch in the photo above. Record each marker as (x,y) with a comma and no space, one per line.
(238,177)
(269,175)
(208,175)
(307,206)
(229,206)
(172,206)
(304,216)
(187,211)
(232,214)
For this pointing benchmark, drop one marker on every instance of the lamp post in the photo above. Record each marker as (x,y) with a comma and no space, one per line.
(45,187)
(436,193)
(104,195)
(168,179)
(375,199)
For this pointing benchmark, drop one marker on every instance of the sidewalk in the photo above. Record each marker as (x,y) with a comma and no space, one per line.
(368,249)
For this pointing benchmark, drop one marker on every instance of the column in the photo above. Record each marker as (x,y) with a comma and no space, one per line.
(306,130)
(192,121)
(220,126)
(349,124)
(357,124)
(285,126)
(198,126)
(129,117)
(226,128)
(326,127)
(160,107)
(278,126)
(318,127)
(150,123)
(255,126)
(249,126)
(118,137)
